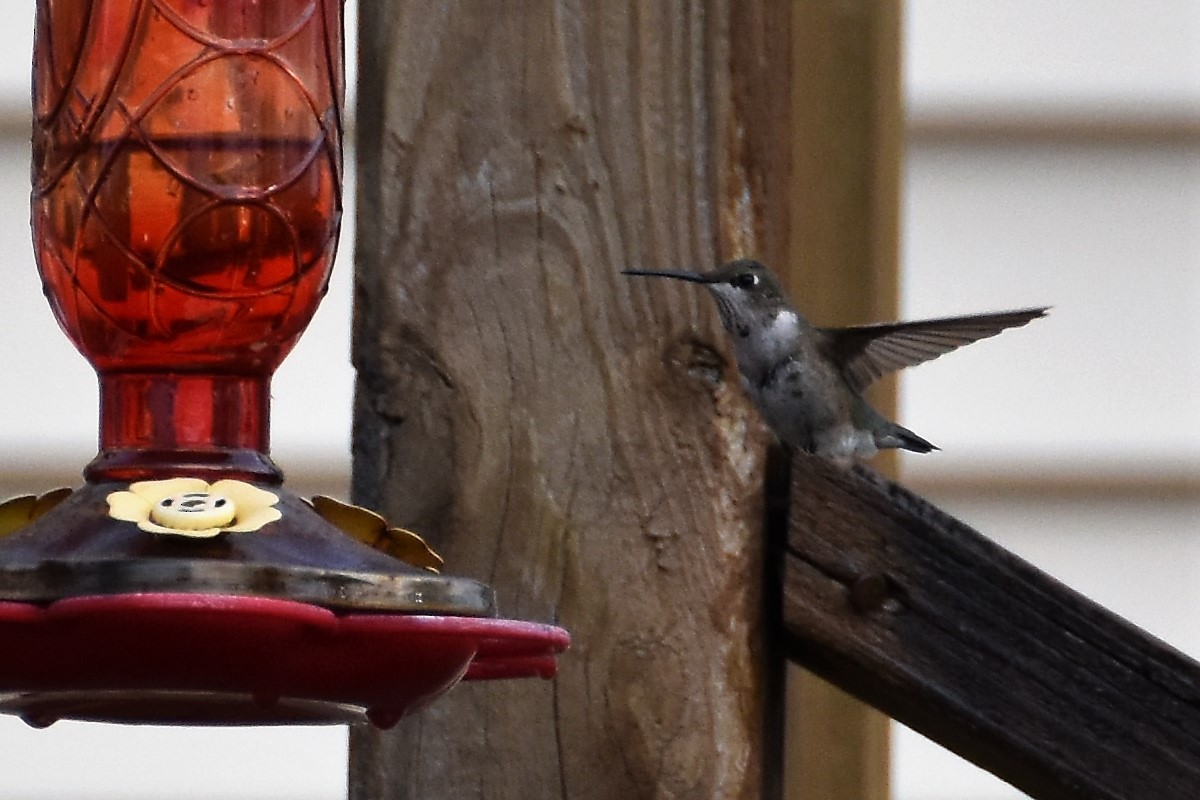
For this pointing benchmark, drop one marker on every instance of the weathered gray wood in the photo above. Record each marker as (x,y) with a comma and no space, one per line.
(949,633)
(574,439)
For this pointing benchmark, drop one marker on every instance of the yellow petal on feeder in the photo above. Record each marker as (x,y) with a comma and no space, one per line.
(244,495)
(254,520)
(355,521)
(19,511)
(137,503)
(199,533)
(15,513)
(48,501)
(372,530)
(255,506)
(411,549)
(154,491)
(128,507)
(190,508)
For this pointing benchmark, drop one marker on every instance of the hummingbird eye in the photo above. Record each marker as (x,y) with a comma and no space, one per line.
(744,280)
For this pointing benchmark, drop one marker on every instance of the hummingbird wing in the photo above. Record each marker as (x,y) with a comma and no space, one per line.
(866,353)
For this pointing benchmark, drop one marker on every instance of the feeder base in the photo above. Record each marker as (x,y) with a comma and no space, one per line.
(77,549)
(195,659)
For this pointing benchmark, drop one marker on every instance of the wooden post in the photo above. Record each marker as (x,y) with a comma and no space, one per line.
(844,252)
(575,438)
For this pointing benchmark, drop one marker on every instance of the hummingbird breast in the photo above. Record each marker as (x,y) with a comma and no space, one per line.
(800,394)
(801,402)
(762,344)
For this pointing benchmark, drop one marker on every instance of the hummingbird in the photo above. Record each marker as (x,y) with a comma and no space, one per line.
(807,382)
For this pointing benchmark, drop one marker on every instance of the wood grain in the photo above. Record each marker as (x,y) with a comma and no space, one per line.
(574,438)
(954,636)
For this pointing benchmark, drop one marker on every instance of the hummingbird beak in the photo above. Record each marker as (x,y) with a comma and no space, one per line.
(694,277)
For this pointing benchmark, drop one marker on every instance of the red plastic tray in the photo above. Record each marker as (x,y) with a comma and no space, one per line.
(221,659)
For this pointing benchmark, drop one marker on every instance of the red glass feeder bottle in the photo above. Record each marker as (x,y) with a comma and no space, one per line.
(187,191)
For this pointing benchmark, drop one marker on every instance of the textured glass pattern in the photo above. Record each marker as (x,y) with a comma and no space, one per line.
(186,177)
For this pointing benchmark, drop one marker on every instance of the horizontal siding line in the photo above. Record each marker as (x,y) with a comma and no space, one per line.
(1161,127)
(1167,128)
(1143,483)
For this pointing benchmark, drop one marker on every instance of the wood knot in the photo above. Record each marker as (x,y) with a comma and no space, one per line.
(698,361)
(871,592)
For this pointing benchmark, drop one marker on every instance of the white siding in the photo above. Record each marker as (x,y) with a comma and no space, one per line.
(1106,232)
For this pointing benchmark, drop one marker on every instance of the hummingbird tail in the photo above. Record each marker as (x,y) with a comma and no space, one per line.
(900,437)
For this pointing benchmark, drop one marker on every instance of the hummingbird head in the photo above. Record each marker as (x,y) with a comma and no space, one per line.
(746,291)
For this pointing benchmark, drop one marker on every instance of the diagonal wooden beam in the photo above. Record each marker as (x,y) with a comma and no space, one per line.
(951,634)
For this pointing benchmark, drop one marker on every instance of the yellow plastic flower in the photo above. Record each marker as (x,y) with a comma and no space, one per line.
(18,512)
(372,530)
(193,508)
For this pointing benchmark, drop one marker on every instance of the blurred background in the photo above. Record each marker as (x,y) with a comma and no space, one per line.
(1053,157)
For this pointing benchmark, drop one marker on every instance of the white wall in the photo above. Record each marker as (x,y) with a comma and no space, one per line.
(1107,233)
(993,55)
(1105,229)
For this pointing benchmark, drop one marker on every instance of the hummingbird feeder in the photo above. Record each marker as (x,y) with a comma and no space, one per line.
(187,195)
